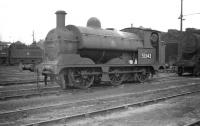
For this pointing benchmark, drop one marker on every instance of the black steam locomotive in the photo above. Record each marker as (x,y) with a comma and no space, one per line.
(80,56)
(19,53)
(4,52)
(189,60)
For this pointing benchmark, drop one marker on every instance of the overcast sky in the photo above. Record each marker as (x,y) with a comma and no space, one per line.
(18,18)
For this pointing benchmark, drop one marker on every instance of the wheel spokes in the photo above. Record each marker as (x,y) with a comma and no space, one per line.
(116,78)
(141,77)
(80,79)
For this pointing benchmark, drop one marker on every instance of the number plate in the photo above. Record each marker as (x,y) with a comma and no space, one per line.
(146,56)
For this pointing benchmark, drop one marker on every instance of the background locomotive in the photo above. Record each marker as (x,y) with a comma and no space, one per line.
(172,39)
(189,60)
(4,52)
(79,56)
(19,53)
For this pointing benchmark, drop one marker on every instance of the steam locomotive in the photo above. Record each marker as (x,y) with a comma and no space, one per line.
(81,56)
(3,52)
(189,60)
(171,39)
(19,53)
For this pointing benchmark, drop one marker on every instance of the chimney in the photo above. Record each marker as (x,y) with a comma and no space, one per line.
(60,19)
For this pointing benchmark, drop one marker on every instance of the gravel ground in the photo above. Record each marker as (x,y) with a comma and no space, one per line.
(13,73)
(81,95)
(174,112)
(74,95)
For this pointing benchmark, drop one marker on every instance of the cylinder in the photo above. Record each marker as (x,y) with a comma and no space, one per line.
(60,19)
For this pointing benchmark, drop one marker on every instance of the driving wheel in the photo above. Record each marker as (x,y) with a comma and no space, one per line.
(81,78)
(116,78)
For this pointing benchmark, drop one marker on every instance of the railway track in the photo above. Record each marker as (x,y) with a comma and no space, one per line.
(67,111)
(194,123)
(31,92)
(11,75)
(26,91)
(18,82)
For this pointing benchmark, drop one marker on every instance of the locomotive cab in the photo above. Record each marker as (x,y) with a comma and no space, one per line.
(153,51)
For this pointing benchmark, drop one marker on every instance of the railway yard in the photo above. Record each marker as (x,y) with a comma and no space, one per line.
(165,100)
(99,74)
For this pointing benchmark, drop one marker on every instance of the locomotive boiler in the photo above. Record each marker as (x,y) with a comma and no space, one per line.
(189,61)
(80,56)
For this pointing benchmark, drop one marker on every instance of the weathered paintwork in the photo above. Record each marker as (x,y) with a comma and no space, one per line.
(94,38)
(79,55)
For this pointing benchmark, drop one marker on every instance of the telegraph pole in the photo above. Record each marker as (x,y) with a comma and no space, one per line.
(33,34)
(181,29)
(33,37)
(181,17)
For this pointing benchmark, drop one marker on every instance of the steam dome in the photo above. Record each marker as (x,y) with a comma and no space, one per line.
(94,22)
